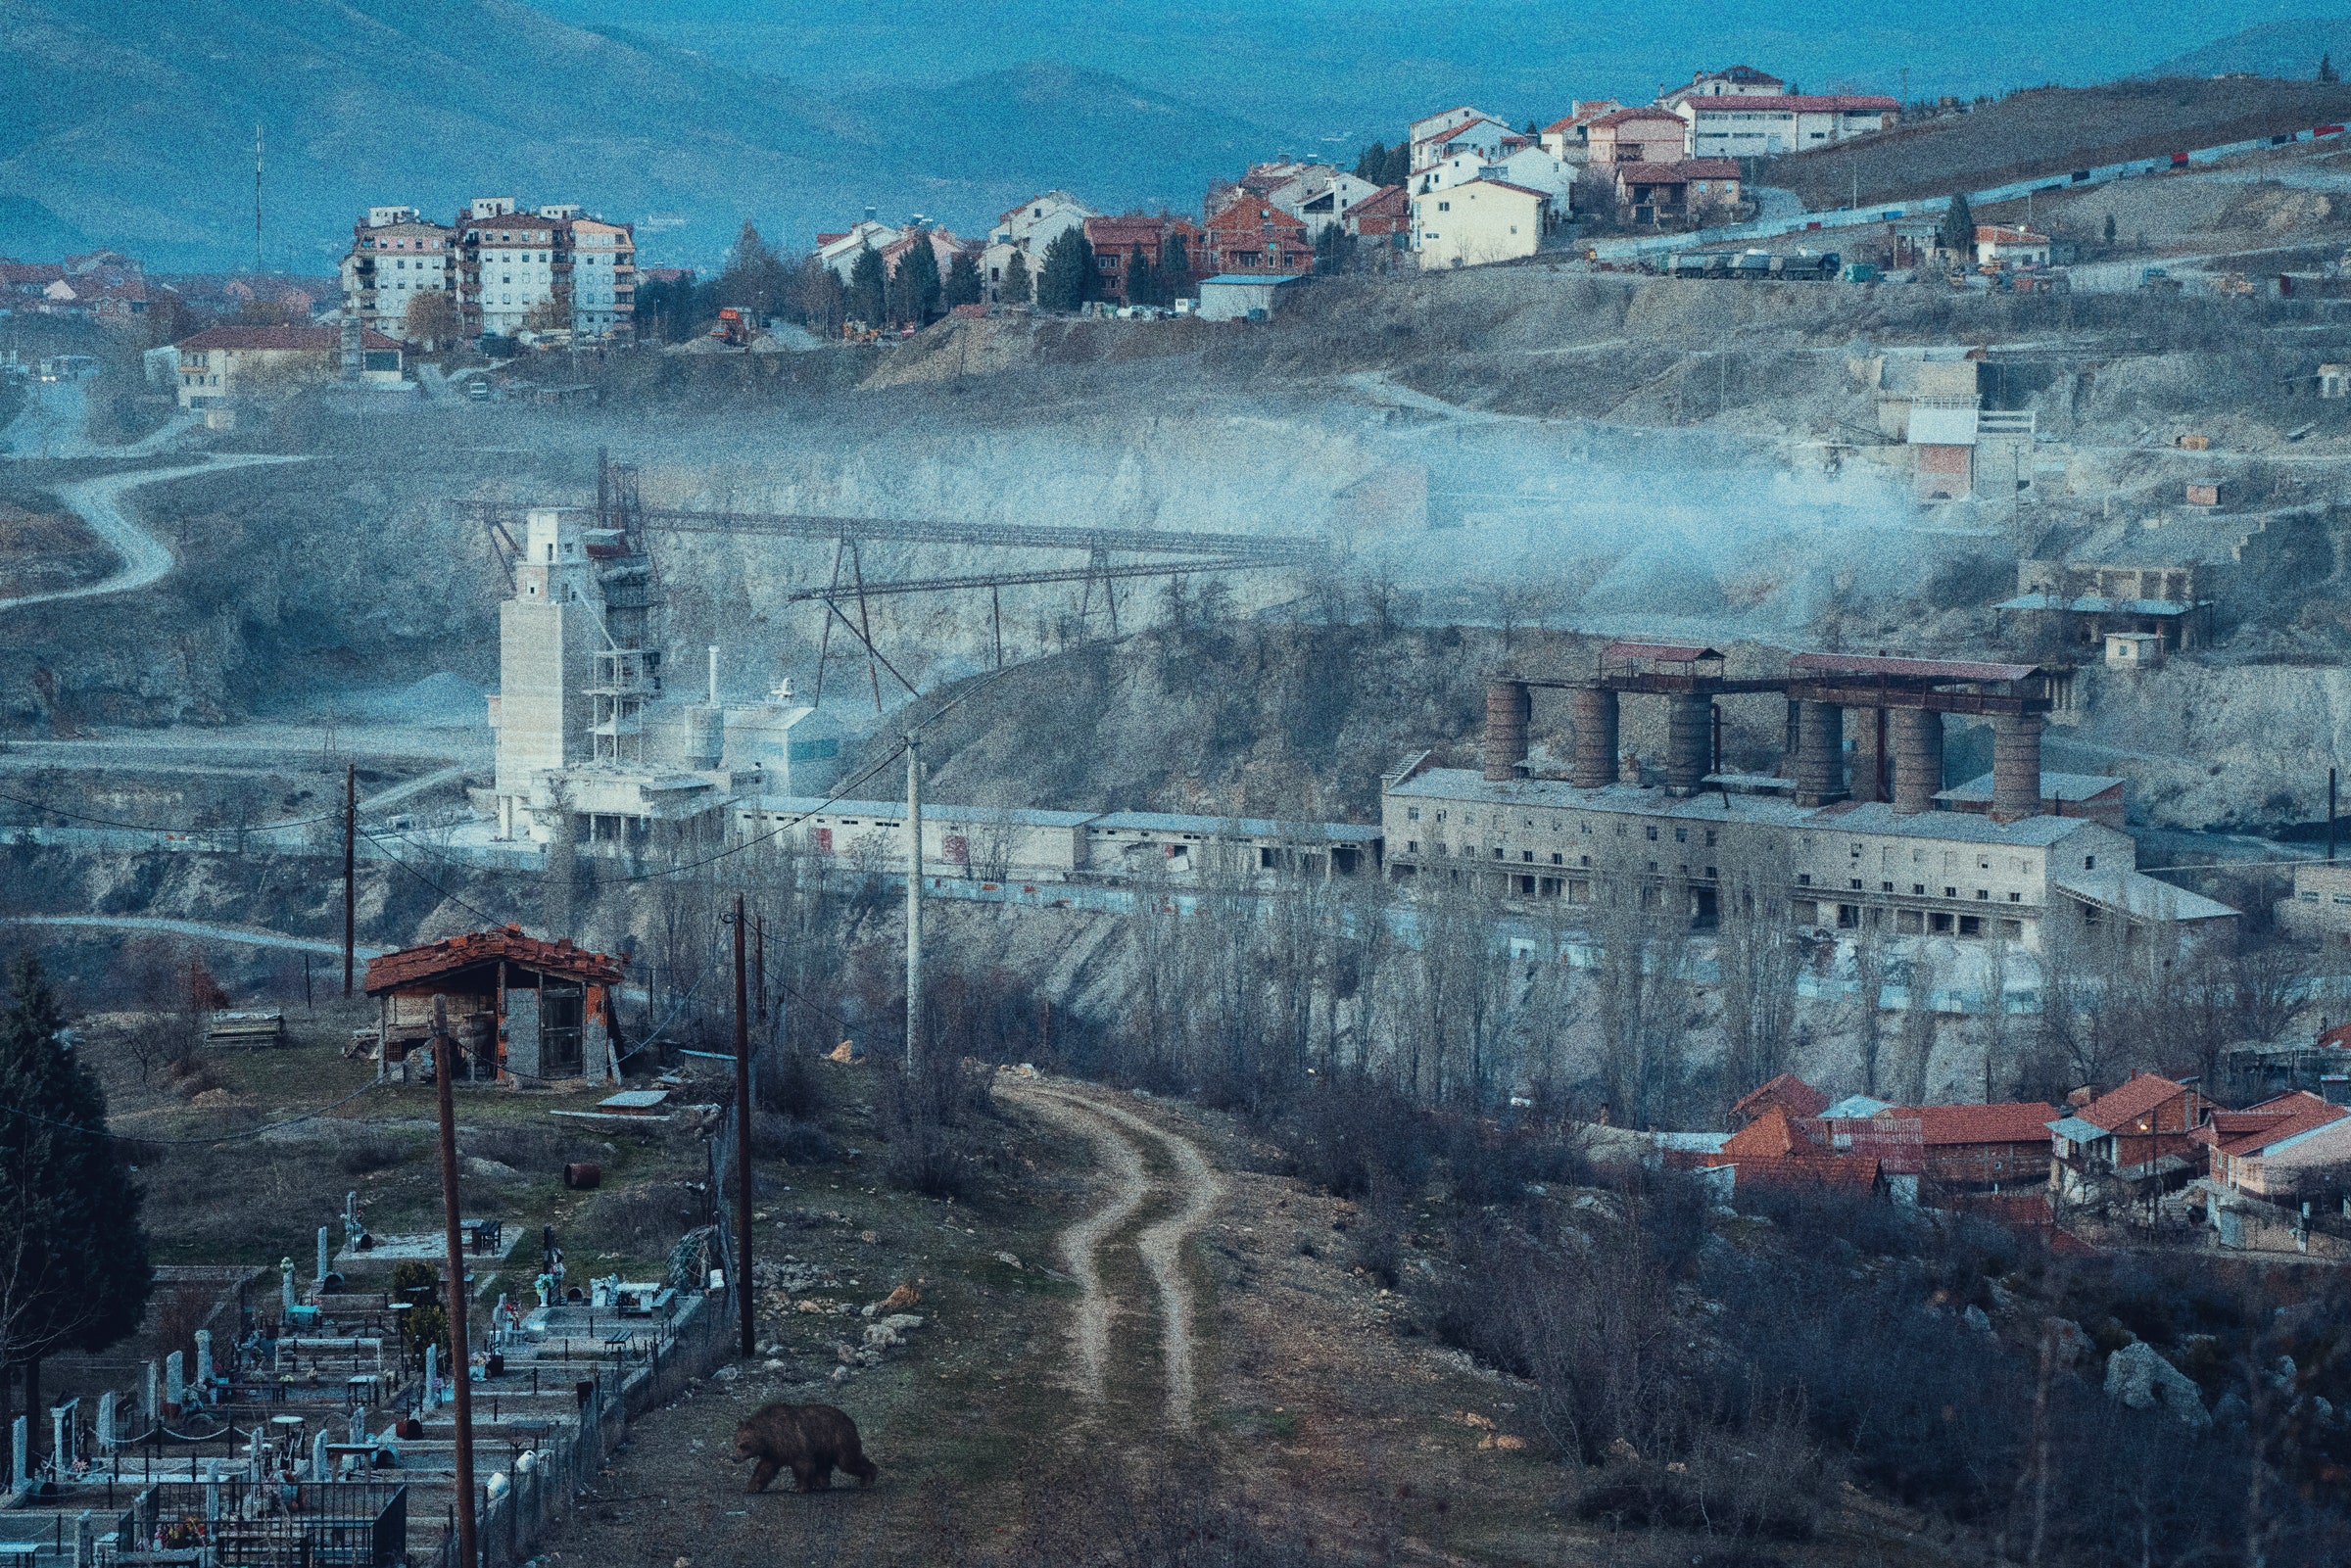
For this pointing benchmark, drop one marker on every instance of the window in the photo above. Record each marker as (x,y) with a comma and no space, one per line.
(1681,835)
(1855,884)
(1919,889)
(1527,855)
(1803,879)
(2310,898)
(2016,898)
(1557,858)
(1709,839)
(1444,207)
(1951,892)
(1411,846)
(1885,887)
(2090,863)
(1411,814)
(1650,834)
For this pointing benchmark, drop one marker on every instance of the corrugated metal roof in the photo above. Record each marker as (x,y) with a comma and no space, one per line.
(2095,604)
(2139,896)
(1252,278)
(2075,1130)
(1920,669)
(2076,787)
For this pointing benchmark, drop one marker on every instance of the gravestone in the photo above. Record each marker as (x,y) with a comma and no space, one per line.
(285,1288)
(204,1362)
(318,1456)
(154,1410)
(61,1436)
(211,1488)
(86,1539)
(108,1416)
(322,1260)
(175,1390)
(20,1453)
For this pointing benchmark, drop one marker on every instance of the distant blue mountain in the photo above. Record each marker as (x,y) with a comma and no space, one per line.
(2290,49)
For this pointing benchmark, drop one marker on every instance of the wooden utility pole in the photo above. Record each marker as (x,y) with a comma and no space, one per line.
(350,864)
(759,966)
(460,1342)
(914,902)
(742,1142)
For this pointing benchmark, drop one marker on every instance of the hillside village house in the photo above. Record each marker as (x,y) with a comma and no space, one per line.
(1479,140)
(1383,221)
(1430,131)
(1996,244)
(839,251)
(1114,241)
(222,363)
(1637,135)
(1569,140)
(1320,196)
(519,1011)
(1667,193)
(1519,162)
(1749,126)
(1029,230)
(1738,81)
(1253,235)
(1483,222)
(2140,1133)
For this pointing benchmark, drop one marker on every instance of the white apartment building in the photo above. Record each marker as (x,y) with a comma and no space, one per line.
(396,258)
(512,264)
(1529,167)
(604,277)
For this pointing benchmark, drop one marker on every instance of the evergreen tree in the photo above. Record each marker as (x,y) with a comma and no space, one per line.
(1175,268)
(2327,71)
(915,285)
(868,287)
(1142,278)
(1372,163)
(2110,228)
(754,281)
(962,286)
(1067,278)
(1014,287)
(74,1268)
(1958,231)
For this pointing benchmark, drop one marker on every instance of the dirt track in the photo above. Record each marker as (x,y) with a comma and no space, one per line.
(1197,1190)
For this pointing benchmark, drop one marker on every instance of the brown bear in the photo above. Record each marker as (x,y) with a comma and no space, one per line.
(811,1441)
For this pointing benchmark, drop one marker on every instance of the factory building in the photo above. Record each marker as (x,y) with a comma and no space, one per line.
(591,745)
(1850,840)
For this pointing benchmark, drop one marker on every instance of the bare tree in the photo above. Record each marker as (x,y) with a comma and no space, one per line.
(1873,965)
(1641,940)
(1760,956)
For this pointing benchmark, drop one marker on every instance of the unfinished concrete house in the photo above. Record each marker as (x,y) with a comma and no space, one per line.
(520,1010)
(2079,603)
(1842,840)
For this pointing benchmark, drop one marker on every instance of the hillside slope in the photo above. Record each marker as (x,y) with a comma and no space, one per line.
(2052,131)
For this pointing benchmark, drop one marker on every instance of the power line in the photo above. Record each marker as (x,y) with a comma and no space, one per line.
(190,1143)
(153,827)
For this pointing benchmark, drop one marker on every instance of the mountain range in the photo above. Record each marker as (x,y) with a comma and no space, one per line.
(133,124)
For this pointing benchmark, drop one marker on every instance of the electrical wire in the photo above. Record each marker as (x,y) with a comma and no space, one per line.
(152,827)
(191,1143)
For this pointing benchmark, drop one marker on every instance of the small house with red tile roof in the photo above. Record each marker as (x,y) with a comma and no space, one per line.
(1983,1148)
(1637,136)
(1798,1097)
(1568,138)
(2142,1130)
(2272,1151)
(1997,243)
(1776,1149)
(1252,235)
(223,362)
(1667,193)
(1114,241)
(1385,218)
(521,1010)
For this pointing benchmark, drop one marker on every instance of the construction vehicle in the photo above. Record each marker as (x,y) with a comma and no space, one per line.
(731,330)
(1752,265)
(854,331)
(1804,267)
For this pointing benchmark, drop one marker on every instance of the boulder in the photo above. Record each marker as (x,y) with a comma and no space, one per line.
(2144,1381)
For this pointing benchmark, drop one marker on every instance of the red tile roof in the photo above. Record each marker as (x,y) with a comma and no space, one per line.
(2257,1127)
(1626,117)
(1800,1097)
(2137,1098)
(1770,1136)
(1817,1170)
(413,965)
(1387,198)
(2014,1121)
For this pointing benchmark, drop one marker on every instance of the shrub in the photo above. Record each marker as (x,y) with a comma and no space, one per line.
(793,1141)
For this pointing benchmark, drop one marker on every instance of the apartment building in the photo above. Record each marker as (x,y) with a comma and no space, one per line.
(393,263)
(578,272)
(1755,125)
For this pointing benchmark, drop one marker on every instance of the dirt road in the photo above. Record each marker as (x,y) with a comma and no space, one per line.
(1118,1135)
(145,559)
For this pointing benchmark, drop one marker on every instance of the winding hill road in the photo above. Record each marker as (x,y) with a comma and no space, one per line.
(145,560)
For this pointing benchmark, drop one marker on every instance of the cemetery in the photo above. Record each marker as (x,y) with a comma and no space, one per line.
(315,1427)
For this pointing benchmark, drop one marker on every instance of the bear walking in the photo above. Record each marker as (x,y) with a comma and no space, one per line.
(811,1441)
